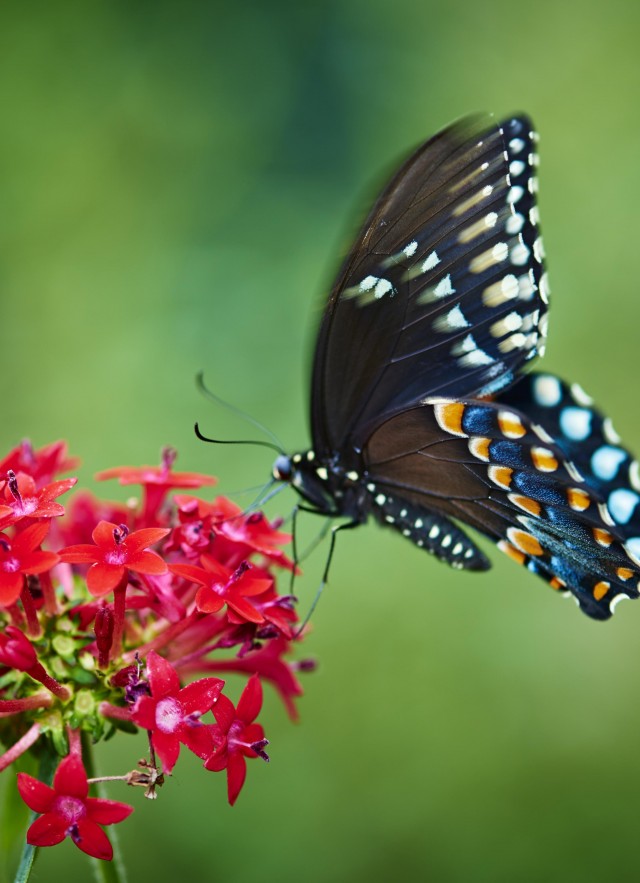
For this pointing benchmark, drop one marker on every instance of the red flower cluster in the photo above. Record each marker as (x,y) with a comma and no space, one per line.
(98,632)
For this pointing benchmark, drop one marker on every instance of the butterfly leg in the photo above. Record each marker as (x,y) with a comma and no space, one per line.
(325,576)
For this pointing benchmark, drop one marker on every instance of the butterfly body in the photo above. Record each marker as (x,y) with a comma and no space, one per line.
(422,413)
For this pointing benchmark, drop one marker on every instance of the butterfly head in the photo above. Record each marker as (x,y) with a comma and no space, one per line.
(310,479)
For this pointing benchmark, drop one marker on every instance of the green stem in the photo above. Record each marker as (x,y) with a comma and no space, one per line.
(48,764)
(103,872)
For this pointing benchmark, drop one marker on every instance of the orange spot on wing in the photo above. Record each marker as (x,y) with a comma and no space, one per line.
(512,552)
(524,541)
(510,425)
(479,447)
(544,459)
(449,416)
(624,573)
(557,583)
(578,500)
(526,503)
(501,475)
(602,537)
(600,589)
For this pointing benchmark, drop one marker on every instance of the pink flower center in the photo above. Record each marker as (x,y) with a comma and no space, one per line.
(168,715)
(235,732)
(10,565)
(72,809)
(24,506)
(117,557)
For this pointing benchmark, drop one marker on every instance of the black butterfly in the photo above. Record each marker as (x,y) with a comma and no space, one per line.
(421,414)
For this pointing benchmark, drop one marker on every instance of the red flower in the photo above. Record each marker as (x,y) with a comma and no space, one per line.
(237,737)
(222,586)
(252,531)
(156,480)
(41,465)
(267,662)
(25,501)
(172,715)
(116,551)
(67,811)
(21,555)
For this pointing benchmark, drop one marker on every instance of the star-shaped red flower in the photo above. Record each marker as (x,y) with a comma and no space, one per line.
(24,500)
(221,586)
(115,552)
(68,811)
(172,715)
(237,736)
(22,555)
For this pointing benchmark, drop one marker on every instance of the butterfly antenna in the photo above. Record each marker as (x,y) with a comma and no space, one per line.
(237,441)
(204,389)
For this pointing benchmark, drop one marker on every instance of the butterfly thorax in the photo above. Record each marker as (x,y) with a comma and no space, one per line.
(326,485)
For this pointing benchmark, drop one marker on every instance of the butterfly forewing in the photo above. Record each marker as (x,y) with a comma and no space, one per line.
(444,292)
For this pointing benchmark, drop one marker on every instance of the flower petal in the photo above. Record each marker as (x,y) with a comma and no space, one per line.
(167,747)
(144,713)
(163,678)
(107,812)
(39,562)
(146,562)
(207,601)
(147,536)
(236,774)
(92,840)
(251,700)
(29,538)
(199,740)
(199,696)
(103,578)
(10,587)
(48,830)
(84,553)
(224,712)
(35,794)
(244,609)
(71,778)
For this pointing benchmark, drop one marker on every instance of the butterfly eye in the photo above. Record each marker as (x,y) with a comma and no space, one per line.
(282,470)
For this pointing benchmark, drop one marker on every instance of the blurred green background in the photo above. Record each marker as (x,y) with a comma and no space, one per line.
(179,182)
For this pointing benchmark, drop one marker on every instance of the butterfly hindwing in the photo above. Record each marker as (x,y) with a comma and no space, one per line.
(444,291)
(491,467)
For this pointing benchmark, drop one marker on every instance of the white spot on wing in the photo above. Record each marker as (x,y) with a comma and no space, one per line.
(605,462)
(444,287)
(547,390)
(575,423)
(451,321)
(622,503)
(431,261)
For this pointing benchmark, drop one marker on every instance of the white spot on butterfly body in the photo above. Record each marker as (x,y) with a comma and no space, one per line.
(516,167)
(322,473)
(515,193)
(434,532)
(575,423)
(622,503)
(634,475)
(514,224)
(605,462)
(547,390)
(516,145)
(538,250)
(381,499)
(519,254)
